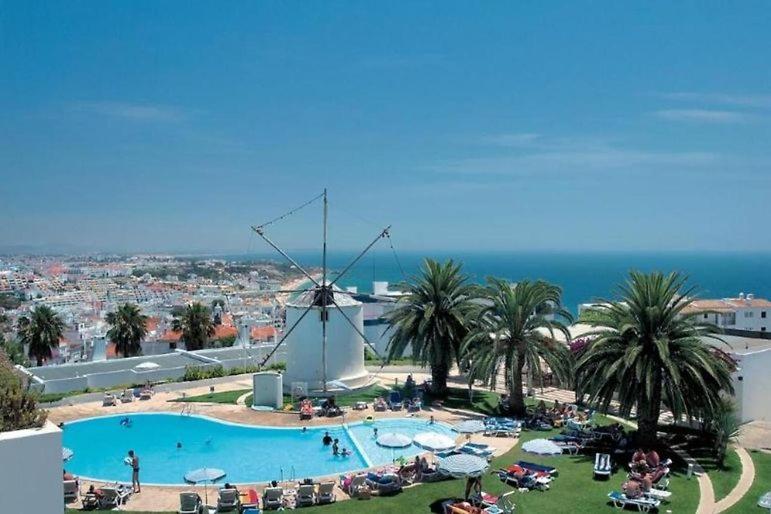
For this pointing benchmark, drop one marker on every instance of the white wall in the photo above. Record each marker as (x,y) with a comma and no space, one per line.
(752,390)
(31,471)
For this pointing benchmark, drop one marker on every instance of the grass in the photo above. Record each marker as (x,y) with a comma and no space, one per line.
(484,402)
(725,479)
(575,490)
(221,397)
(760,486)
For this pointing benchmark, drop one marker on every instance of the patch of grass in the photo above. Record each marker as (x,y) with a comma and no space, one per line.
(760,486)
(725,479)
(221,397)
(484,402)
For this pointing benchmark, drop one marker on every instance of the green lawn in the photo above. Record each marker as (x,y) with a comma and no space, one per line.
(221,397)
(485,402)
(725,479)
(575,490)
(760,486)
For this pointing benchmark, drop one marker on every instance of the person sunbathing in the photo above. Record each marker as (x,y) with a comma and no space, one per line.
(652,459)
(632,489)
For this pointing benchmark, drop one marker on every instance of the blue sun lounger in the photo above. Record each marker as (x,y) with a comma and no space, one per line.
(551,470)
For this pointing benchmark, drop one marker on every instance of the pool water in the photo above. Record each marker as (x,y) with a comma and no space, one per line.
(247,454)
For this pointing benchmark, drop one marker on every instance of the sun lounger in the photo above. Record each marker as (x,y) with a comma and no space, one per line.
(526,480)
(501,431)
(385,484)
(109,400)
(190,503)
(549,470)
(395,401)
(228,500)
(602,465)
(478,450)
(503,504)
(113,497)
(249,499)
(306,495)
(358,487)
(146,394)
(642,504)
(326,493)
(273,498)
(127,396)
(658,494)
(90,501)
(71,491)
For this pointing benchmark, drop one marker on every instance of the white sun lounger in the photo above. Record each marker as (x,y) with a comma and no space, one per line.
(643,504)
(71,491)
(273,498)
(190,503)
(602,465)
(228,500)
(306,495)
(326,492)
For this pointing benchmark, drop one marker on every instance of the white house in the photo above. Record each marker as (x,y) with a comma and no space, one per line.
(742,313)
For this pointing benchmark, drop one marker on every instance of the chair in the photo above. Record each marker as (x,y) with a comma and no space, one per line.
(621,501)
(658,494)
(190,503)
(146,394)
(326,493)
(71,491)
(478,450)
(358,487)
(127,396)
(228,500)
(273,498)
(109,400)
(306,495)
(395,401)
(602,465)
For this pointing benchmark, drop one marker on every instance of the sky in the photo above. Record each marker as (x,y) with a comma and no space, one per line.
(509,126)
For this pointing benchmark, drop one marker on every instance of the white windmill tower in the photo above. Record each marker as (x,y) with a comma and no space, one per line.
(324,334)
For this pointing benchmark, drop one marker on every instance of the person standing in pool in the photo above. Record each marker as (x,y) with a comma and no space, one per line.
(134,471)
(336,447)
(327,440)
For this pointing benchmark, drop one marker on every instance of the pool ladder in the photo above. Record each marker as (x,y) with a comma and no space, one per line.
(187,409)
(292,476)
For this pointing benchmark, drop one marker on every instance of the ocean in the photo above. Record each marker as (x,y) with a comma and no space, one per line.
(583,277)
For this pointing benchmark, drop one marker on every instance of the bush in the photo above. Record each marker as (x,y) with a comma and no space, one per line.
(18,403)
(193,373)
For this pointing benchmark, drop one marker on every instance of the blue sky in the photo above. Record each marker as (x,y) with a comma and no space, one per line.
(173,126)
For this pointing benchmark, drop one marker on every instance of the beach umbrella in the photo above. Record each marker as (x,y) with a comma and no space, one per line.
(470,426)
(204,476)
(433,441)
(394,440)
(67,454)
(462,465)
(542,447)
(147,366)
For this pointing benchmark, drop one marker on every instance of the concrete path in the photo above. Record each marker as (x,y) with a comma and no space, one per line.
(744,484)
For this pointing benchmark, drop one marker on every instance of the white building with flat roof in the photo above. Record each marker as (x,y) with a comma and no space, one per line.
(744,312)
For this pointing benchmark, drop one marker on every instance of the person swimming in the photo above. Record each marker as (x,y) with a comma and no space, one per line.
(179,445)
(336,447)
(305,429)
(431,421)
(327,440)
(374,432)
(125,422)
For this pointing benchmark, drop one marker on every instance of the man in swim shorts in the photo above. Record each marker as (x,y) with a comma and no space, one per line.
(327,440)
(134,471)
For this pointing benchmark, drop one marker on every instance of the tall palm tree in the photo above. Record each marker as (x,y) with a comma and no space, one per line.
(40,332)
(516,326)
(128,326)
(649,350)
(196,325)
(431,319)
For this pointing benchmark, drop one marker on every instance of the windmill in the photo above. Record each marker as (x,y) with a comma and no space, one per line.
(324,297)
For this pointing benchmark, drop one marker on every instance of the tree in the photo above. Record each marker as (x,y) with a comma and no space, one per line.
(649,350)
(516,326)
(196,325)
(40,332)
(431,319)
(128,327)
(18,403)
(724,426)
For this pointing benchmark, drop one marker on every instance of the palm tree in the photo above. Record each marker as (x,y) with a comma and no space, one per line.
(431,319)
(649,350)
(40,332)
(516,326)
(128,326)
(196,325)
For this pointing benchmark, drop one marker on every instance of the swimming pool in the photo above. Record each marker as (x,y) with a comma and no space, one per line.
(248,454)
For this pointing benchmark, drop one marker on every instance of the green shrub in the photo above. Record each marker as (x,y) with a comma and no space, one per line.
(18,403)
(193,373)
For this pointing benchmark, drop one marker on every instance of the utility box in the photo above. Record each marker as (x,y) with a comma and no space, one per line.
(268,390)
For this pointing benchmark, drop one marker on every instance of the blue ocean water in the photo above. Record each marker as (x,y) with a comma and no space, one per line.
(583,276)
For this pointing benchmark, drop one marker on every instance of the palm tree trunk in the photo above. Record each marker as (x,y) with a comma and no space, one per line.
(516,396)
(648,412)
(439,372)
